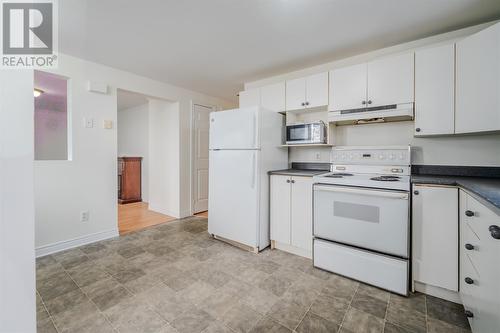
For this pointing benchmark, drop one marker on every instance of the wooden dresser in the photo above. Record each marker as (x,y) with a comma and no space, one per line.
(129,179)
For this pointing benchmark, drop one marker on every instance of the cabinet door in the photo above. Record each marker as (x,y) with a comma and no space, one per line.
(272,97)
(295,94)
(435,90)
(435,236)
(301,213)
(478,82)
(348,88)
(317,90)
(250,98)
(280,208)
(391,80)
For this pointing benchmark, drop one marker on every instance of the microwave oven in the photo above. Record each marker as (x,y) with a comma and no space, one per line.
(306,133)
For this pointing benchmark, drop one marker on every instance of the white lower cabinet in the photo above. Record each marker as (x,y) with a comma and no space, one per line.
(291,214)
(435,236)
(479,264)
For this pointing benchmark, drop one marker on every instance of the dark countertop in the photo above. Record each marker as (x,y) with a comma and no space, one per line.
(298,172)
(487,189)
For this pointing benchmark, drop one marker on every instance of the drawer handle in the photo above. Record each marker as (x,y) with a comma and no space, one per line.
(469,246)
(494,231)
(469,314)
(468,280)
(469,213)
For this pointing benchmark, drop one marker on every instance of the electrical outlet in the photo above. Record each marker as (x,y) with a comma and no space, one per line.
(84,216)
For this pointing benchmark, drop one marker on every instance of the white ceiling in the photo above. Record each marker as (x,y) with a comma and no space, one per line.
(127,99)
(214,46)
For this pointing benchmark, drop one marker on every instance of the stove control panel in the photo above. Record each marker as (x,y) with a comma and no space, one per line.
(371,155)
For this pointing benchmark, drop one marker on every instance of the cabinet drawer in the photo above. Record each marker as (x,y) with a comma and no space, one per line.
(470,293)
(469,238)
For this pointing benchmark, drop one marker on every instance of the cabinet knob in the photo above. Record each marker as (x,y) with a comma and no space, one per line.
(416,192)
(469,247)
(288,180)
(494,231)
(469,213)
(307,103)
(417,129)
(303,104)
(468,314)
(293,181)
(369,102)
(468,280)
(363,102)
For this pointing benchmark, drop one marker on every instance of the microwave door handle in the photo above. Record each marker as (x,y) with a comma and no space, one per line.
(384,194)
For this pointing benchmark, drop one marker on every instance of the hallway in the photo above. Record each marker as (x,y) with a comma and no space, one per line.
(137,216)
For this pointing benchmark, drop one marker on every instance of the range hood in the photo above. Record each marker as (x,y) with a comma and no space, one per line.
(375,114)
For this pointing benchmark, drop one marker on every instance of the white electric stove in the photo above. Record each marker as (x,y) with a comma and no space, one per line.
(361,216)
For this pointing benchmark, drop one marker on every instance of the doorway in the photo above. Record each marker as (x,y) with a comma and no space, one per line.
(201,126)
(137,160)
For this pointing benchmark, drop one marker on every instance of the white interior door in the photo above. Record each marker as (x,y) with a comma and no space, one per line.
(233,195)
(201,124)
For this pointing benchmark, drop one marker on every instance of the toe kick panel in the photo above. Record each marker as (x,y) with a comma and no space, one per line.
(368,267)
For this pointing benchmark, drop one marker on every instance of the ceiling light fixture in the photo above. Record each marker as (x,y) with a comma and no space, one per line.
(37,92)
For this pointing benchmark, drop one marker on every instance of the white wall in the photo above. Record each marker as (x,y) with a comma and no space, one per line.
(17,253)
(164,157)
(133,140)
(452,150)
(65,188)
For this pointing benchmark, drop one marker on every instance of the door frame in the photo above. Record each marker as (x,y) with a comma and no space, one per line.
(193,150)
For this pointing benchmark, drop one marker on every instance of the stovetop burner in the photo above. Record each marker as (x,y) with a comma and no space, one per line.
(339,175)
(386,178)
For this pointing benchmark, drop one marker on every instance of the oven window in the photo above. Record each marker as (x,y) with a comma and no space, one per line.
(360,212)
(298,133)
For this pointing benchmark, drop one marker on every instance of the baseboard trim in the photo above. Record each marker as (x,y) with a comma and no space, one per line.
(293,250)
(75,242)
(438,292)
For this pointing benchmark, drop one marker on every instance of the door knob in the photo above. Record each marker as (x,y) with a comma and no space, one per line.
(468,280)
(469,246)
(469,314)
(469,213)
(494,231)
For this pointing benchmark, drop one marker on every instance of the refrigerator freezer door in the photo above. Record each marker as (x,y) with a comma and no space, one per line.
(235,129)
(233,195)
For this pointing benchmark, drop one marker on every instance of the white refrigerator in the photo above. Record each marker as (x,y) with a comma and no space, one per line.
(244,145)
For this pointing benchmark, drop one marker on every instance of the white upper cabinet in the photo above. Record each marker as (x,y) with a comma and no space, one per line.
(391,80)
(435,90)
(307,92)
(317,90)
(250,97)
(272,97)
(478,82)
(348,87)
(385,81)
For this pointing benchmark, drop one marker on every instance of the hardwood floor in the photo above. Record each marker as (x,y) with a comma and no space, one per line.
(136,216)
(203,214)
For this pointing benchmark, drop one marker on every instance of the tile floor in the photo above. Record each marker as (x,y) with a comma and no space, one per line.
(175,278)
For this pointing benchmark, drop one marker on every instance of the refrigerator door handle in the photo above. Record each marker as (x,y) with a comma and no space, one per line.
(254,167)
(255,130)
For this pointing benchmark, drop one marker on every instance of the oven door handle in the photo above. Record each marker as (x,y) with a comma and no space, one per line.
(373,193)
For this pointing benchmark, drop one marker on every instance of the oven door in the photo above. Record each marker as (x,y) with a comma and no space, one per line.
(300,133)
(367,218)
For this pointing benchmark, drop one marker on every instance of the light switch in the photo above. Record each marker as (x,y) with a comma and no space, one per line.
(88,122)
(107,124)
